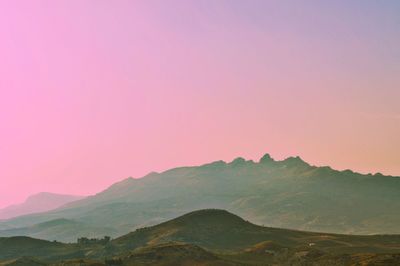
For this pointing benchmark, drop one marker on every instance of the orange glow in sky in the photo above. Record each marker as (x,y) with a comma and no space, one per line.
(95,91)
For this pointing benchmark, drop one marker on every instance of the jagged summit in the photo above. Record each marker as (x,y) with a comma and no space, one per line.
(266,159)
(240,161)
(295,161)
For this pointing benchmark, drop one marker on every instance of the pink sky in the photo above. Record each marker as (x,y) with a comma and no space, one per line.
(95,91)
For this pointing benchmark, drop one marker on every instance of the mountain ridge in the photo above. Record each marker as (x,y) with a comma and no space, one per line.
(286,194)
(36,203)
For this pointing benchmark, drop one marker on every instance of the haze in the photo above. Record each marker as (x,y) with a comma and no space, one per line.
(95,91)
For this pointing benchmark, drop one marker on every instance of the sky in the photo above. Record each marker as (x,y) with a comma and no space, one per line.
(92,92)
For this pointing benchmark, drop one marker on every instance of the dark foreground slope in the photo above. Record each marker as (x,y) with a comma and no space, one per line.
(219,230)
(17,247)
(173,254)
(209,237)
(285,194)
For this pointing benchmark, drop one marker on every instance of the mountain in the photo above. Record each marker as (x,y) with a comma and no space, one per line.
(40,202)
(208,237)
(217,237)
(222,231)
(287,194)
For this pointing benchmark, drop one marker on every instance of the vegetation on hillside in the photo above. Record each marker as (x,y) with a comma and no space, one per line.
(207,237)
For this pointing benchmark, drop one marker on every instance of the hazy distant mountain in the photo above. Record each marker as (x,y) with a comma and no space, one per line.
(208,237)
(40,202)
(287,194)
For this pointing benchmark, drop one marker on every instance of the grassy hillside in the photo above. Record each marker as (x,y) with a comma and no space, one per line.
(208,237)
(220,230)
(173,254)
(211,229)
(16,247)
(286,194)
(60,229)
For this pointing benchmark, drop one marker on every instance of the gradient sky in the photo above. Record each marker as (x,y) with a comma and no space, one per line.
(92,92)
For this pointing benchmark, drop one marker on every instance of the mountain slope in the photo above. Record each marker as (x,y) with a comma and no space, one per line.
(40,202)
(287,194)
(16,247)
(211,229)
(173,254)
(208,237)
(219,230)
(59,229)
